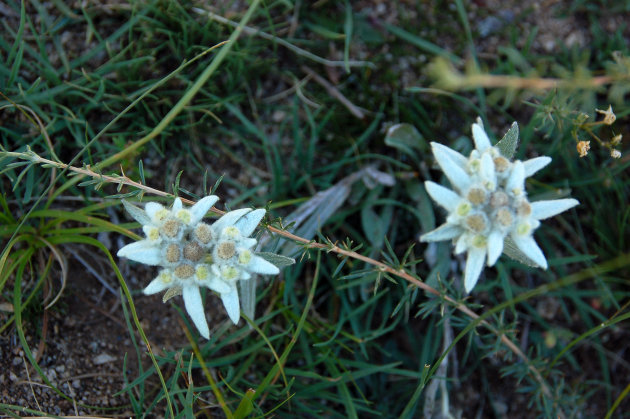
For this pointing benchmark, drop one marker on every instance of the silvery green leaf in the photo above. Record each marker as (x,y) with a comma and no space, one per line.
(311,215)
(425,215)
(138,214)
(248,297)
(404,137)
(170,293)
(439,257)
(510,249)
(372,227)
(278,260)
(509,142)
(376,176)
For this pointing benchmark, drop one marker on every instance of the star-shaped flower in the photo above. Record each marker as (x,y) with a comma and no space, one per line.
(195,254)
(488,204)
(233,259)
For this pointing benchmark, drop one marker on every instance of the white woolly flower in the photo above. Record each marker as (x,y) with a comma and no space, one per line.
(489,204)
(232,257)
(195,254)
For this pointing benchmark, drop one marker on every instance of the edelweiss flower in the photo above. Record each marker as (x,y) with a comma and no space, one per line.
(194,254)
(489,204)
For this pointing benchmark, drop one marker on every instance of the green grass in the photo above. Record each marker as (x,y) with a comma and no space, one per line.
(145,91)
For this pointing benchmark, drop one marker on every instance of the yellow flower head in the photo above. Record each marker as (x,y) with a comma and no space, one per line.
(583,147)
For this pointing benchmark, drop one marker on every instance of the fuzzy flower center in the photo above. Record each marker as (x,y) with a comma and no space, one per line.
(504,217)
(184,216)
(161,215)
(245,257)
(479,241)
(203,233)
(476,222)
(226,250)
(229,273)
(184,271)
(202,272)
(172,253)
(165,277)
(193,252)
(499,199)
(231,232)
(171,228)
(463,209)
(524,209)
(523,229)
(476,196)
(501,164)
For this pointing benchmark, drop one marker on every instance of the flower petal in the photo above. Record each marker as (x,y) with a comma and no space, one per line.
(443,196)
(261,266)
(488,175)
(495,246)
(474,266)
(141,251)
(152,208)
(216,284)
(515,183)
(247,223)
(228,219)
(455,156)
(200,209)
(446,231)
(535,164)
(177,205)
(461,245)
(155,286)
(546,209)
(482,142)
(194,307)
(230,302)
(529,247)
(247,243)
(455,174)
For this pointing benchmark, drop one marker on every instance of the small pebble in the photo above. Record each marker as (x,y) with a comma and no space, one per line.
(103,359)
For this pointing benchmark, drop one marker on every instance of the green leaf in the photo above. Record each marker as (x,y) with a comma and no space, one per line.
(510,249)
(425,214)
(373,227)
(138,214)
(509,142)
(406,138)
(278,260)
(248,297)
(171,292)
(246,406)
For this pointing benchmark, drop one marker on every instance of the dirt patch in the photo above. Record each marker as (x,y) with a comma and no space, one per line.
(81,344)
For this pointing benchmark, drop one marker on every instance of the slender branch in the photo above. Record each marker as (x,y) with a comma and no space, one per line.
(401,273)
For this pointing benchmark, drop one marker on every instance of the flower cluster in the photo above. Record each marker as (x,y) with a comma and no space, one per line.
(489,204)
(193,253)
